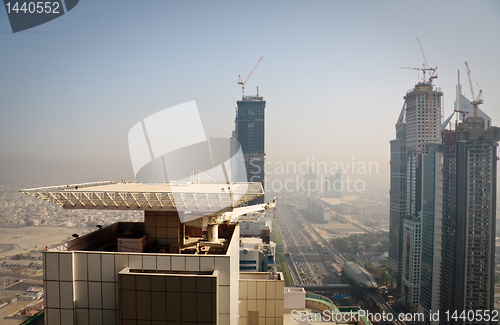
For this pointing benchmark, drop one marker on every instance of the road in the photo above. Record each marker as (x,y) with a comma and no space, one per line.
(382,304)
(303,246)
(305,259)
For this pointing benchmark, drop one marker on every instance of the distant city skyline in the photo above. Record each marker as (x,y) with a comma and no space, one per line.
(72,88)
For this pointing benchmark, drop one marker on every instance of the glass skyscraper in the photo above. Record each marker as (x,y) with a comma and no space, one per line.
(250,133)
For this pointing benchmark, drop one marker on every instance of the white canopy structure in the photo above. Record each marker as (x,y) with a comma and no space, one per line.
(202,197)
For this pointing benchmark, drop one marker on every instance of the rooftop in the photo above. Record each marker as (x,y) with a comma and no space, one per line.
(133,237)
(206,197)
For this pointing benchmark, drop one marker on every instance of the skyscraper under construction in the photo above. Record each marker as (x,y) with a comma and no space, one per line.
(418,127)
(250,133)
(469,216)
(443,201)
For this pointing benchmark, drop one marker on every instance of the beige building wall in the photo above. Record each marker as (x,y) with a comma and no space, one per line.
(260,294)
(163,298)
(82,286)
(234,269)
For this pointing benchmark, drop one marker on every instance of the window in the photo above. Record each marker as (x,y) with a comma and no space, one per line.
(248,262)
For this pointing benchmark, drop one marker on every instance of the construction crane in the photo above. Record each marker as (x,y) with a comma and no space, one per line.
(461,112)
(215,219)
(424,70)
(425,67)
(475,101)
(432,76)
(242,83)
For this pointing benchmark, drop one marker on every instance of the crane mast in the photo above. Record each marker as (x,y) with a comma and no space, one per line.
(475,101)
(432,76)
(242,83)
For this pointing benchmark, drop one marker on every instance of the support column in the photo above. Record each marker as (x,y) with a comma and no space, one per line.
(164,227)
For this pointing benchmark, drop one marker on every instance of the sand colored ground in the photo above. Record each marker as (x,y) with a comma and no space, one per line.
(17,240)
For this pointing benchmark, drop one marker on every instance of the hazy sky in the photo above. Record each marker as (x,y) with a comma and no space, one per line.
(71,89)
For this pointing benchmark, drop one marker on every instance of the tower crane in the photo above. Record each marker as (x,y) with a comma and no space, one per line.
(242,83)
(425,67)
(461,112)
(432,75)
(424,70)
(475,101)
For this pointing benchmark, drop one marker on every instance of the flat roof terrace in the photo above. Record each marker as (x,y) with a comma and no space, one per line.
(133,237)
(122,195)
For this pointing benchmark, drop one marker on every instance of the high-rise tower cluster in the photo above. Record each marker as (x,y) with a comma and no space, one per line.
(442,212)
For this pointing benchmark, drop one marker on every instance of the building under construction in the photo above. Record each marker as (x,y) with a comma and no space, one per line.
(250,133)
(418,127)
(469,217)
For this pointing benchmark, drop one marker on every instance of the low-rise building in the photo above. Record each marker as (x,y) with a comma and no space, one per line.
(256,256)
(6,282)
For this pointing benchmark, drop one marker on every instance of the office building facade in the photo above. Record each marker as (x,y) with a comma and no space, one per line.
(410,280)
(250,133)
(432,219)
(397,197)
(469,217)
(417,128)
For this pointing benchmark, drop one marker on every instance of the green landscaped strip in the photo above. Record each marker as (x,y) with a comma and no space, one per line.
(279,240)
(281,265)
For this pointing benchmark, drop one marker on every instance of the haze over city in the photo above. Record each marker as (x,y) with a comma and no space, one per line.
(107,96)
(72,88)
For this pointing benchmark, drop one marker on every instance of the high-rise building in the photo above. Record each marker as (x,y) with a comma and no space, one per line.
(469,216)
(397,198)
(423,129)
(410,279)
(165,270)
(250,133)
(466,107)
(432,219)
(333,186)
(432,222)
(311,182)
(417,128)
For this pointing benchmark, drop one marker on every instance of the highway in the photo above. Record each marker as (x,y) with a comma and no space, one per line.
(305,260)
(338,257)
(383,305)
(305,256)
